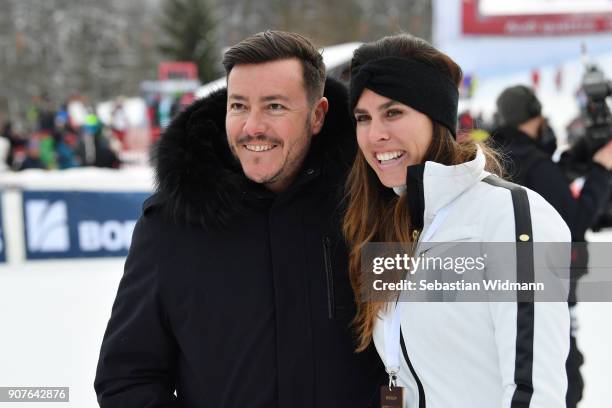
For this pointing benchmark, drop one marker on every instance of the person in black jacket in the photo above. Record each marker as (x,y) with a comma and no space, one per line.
(236,291)
(530,164)
(523,139)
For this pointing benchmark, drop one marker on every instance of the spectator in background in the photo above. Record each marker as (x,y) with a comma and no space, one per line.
(5,149)
(469,130)
(525,137)
(119,121)
(46,146)
(60,146)
(105,156)
(65,140)
(15,133)
(32,159)
(526,140)
(7,133)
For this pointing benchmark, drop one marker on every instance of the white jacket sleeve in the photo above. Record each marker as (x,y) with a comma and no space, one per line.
(532,338)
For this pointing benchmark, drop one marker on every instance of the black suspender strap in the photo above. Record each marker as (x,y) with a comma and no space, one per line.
(414,374)
(523,365)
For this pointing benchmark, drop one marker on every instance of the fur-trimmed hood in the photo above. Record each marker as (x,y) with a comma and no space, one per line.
(197,178)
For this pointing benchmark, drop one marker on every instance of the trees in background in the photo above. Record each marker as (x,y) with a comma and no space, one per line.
(56,48)
(102,49)
(324,21)
(188,34)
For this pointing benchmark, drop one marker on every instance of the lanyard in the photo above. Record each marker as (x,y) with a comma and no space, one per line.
(393,319)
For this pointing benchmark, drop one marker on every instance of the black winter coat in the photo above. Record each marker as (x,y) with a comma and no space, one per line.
(231,295)
(530,166)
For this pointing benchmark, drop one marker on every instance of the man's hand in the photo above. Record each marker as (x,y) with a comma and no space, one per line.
(603,156)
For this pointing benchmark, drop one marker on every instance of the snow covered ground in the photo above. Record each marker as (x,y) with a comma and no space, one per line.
(53,316)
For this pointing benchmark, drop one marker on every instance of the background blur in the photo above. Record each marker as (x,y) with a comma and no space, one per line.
(87,87)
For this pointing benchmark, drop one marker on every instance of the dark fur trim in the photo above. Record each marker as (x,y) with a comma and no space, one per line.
(197,178)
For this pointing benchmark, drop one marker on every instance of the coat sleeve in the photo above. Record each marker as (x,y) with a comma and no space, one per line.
(548,180)
(532,338)
(138,353)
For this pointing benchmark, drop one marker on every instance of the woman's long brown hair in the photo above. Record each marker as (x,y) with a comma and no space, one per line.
(374,213)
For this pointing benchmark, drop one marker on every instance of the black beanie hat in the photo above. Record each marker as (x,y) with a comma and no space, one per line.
(412,82)
(516,105)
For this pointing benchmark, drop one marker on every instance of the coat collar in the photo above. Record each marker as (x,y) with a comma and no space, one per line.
(432,186)
(443,184)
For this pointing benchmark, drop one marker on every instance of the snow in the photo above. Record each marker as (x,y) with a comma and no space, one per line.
(127,179)
(53,318)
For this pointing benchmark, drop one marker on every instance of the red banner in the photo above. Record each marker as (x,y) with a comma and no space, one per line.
(184,70)
(474,23)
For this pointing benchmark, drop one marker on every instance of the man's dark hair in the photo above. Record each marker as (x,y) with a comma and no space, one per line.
(516,105)
(272,45)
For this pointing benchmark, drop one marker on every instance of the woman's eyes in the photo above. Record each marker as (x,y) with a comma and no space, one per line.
(391,113)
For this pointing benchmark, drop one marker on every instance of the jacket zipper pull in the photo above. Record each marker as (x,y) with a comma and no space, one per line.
(415,239)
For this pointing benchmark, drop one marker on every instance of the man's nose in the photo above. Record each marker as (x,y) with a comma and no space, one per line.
(255,124)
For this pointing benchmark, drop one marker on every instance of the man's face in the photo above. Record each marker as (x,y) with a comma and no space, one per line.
(269,120)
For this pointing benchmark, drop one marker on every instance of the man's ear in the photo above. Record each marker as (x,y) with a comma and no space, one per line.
(318,115)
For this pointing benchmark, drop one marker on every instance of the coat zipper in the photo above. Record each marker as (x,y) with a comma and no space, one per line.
(331,307)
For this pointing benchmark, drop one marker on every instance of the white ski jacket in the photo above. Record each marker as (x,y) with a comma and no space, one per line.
(481,355)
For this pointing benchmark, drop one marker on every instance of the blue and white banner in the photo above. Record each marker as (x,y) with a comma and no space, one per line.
(62,224)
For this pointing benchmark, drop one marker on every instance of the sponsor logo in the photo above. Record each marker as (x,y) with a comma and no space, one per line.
(47,226)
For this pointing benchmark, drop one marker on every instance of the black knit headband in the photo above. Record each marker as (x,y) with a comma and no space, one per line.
(411,82)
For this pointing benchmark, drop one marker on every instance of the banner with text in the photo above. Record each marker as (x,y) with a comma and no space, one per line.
(68,224)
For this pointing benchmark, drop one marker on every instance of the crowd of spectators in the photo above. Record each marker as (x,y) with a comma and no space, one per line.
(62,137)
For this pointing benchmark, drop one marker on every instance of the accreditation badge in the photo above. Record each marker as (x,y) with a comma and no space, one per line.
(391,397)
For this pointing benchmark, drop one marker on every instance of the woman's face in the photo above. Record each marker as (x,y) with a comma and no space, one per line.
(391,136)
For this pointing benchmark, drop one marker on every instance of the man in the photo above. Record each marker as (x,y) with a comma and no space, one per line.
(523,140)
(236,290)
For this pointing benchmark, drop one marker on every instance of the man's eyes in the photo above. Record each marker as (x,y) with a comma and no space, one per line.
(276,107)
(272,107)
(237,107)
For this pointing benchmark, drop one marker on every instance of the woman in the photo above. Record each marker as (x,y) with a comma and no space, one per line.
(411,176)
